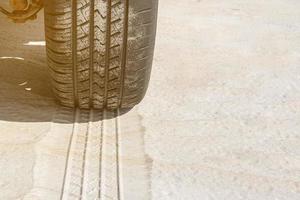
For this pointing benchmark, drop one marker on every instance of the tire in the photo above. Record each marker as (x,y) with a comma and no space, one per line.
(100,52)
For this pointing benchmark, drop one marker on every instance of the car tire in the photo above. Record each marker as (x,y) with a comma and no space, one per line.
(100,52)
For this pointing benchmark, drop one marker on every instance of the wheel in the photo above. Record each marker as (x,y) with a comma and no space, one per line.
(100,51)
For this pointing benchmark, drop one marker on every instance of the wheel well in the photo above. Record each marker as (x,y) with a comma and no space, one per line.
(23,10)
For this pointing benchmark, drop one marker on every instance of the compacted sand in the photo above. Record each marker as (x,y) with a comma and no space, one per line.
(221,119)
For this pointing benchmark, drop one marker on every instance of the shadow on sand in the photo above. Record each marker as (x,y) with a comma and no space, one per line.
(26,94)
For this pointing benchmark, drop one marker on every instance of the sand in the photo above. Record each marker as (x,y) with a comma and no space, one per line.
(220,119)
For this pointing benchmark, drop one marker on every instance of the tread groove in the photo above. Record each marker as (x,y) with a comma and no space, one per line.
(124,52)
(107,49)
(74,50)
(91,64)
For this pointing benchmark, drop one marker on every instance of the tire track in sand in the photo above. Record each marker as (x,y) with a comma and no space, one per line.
(92,155)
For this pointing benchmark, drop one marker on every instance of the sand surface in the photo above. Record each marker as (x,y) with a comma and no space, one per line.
(221,119)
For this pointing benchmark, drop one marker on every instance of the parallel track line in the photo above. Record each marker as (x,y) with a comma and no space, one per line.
(68,159)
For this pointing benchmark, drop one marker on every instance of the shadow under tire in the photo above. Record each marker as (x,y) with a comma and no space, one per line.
(100,52)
